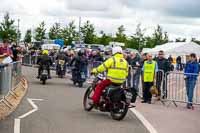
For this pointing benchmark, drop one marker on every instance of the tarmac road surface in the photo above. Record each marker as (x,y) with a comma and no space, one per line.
(61,111)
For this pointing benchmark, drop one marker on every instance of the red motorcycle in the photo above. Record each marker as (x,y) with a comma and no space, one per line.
(115,99)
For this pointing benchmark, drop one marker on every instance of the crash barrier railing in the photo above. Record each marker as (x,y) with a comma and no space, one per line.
(135,81)
(171,86)
(30,60)
(26,59)
(10,76)
(182,88)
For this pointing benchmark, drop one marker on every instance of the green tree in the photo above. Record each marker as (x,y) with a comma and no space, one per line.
(88,33)
(159,36)
(137,41)
(104,39)
(180,39)
(150,42)
(40,32)
(8,29)
(69,33)
(120,35)
(55,32)
(28,36)
(140,40)
(195,40)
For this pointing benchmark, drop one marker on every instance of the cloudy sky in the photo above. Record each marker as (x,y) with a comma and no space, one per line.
(180,18)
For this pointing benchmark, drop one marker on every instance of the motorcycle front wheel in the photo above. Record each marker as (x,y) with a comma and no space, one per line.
(87,99)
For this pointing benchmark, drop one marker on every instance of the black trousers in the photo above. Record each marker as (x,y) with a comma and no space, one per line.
(147,93)
(159,79)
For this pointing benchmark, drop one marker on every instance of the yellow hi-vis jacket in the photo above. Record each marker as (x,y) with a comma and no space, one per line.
(116,67)
(149,71)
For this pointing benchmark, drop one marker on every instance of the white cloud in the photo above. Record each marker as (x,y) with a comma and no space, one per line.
(179,18)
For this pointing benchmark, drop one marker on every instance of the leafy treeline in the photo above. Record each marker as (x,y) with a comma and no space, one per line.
(87,34)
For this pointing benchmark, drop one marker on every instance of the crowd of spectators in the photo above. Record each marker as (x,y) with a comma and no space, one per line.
(136,62)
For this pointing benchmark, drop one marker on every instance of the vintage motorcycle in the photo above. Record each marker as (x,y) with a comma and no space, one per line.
(61,68)
(115,99)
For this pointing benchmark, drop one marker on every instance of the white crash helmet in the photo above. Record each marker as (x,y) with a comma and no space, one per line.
(117,49)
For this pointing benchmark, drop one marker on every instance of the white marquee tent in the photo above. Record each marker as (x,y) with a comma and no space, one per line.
(177,49)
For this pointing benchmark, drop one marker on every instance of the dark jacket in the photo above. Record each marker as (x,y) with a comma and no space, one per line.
(163,64)
(128,59)
(178,60)
(79,62)
(134,61)
(191,70)
(44,60)
(97,58)
(15,53)
(62,56)
(170,59)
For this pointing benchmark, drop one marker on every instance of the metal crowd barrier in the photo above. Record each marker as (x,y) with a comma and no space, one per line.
(29,59)
(135,81)
(26,59)
(10,75)
(179,88)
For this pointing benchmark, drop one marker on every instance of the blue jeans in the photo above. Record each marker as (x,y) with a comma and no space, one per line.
(85,70)
(190,85)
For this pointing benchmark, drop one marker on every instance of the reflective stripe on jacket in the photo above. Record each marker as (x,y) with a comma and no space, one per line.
(117,68)
(149,71)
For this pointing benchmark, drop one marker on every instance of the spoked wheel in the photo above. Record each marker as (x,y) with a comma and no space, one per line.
(119,113)
(87,99)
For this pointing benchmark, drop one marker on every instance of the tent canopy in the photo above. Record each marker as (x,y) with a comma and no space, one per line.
(177,48)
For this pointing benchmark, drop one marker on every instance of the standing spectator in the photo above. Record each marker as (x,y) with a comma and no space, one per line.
(191,74)
(170,59)
(127,57)
(144,58)
(179,64)
(150,68)
(5,50)
(164,65)
(15,50)
(97,59)
(136,70)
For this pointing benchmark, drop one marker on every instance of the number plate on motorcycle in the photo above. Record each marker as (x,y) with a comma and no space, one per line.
(129,95)
(61,62)
(45,72)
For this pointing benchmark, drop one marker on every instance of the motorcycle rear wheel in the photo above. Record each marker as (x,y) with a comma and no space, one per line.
(43,82)
(120,114)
